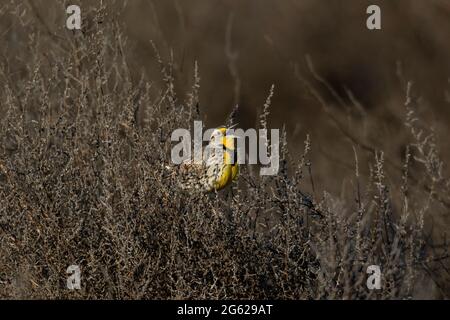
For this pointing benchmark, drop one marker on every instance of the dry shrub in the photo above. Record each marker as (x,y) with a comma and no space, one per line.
(83,145)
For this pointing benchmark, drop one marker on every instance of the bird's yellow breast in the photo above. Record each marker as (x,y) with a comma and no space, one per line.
(228,173)
(222,163)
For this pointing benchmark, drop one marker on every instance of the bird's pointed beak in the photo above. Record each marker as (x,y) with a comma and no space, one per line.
(232,126)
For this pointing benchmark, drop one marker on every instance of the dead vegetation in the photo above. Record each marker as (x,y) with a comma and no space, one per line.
(83,145)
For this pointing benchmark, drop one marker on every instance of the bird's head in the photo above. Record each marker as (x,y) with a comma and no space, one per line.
(221,137)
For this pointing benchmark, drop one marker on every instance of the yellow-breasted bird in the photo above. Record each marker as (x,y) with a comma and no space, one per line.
(218,169)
